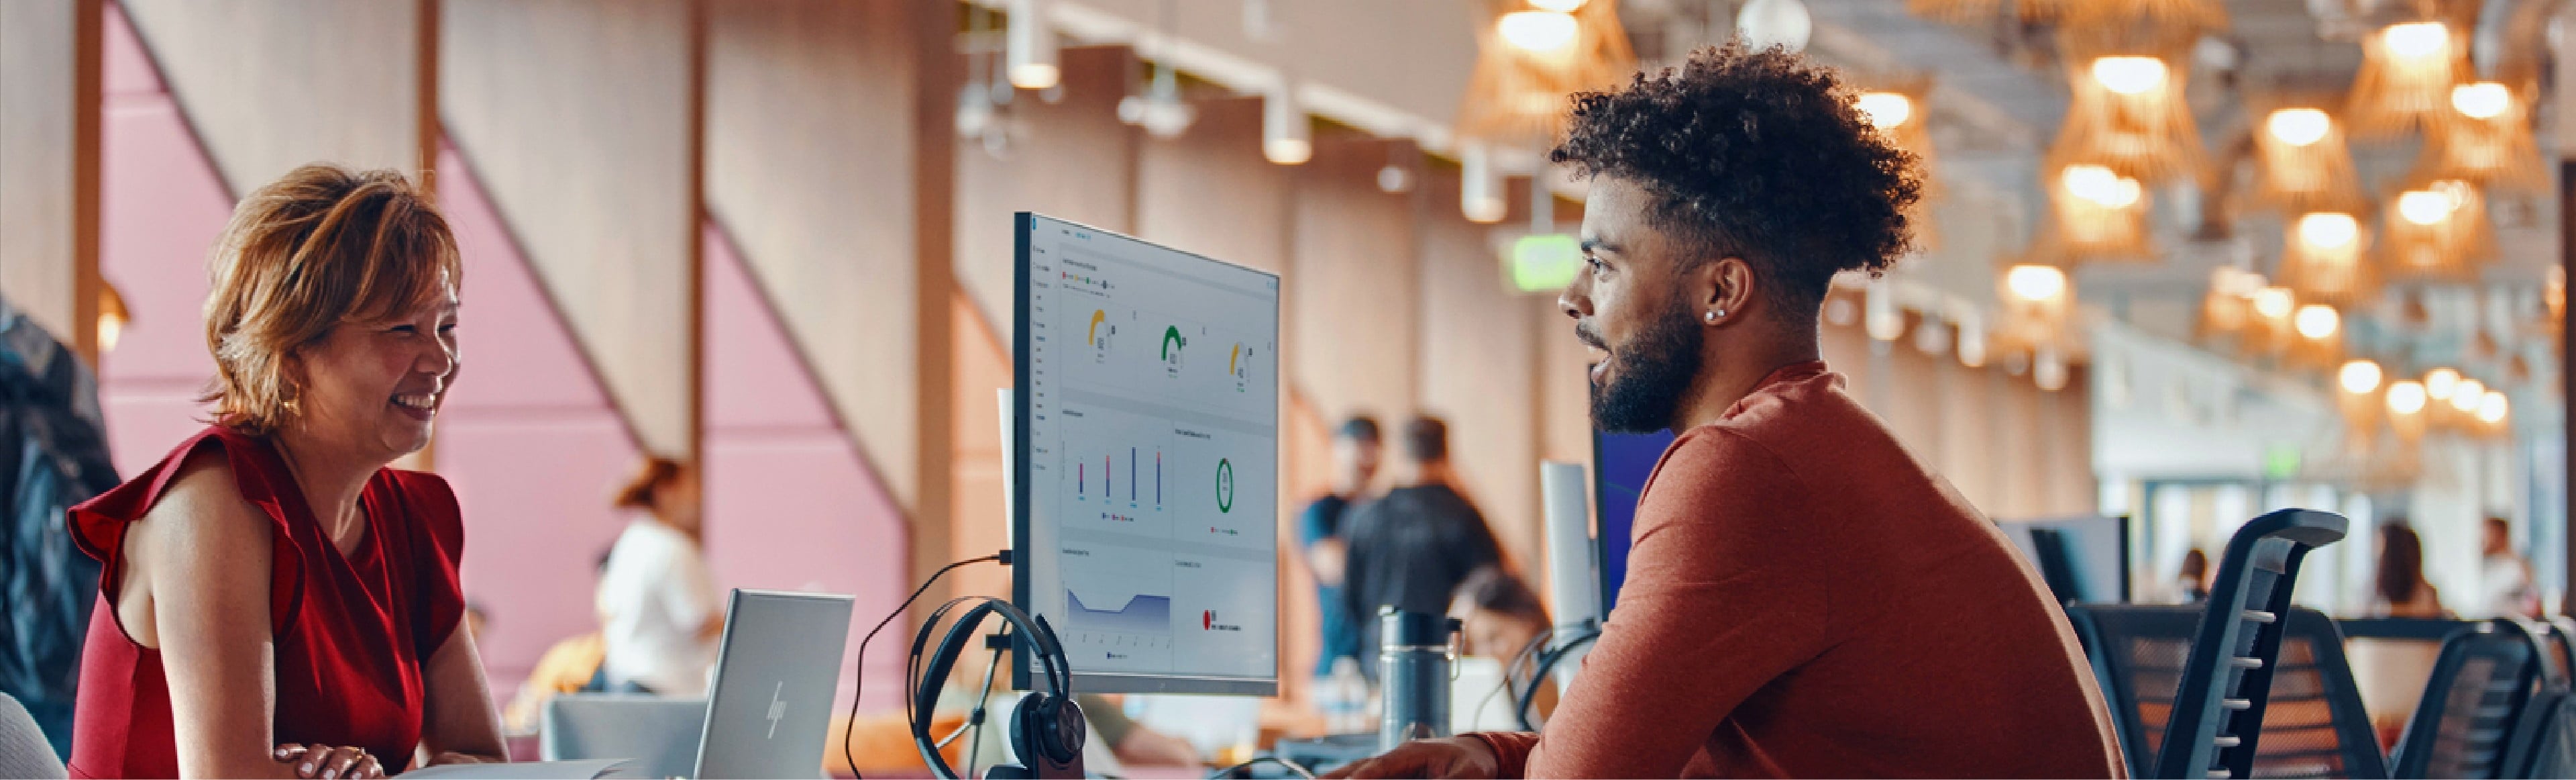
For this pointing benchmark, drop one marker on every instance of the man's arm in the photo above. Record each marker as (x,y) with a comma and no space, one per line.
(1725,592)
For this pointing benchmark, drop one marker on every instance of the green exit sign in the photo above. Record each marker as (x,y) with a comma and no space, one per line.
(1543,263)
(2280,462)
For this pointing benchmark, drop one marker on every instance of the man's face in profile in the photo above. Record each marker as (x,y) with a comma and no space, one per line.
(1626,303)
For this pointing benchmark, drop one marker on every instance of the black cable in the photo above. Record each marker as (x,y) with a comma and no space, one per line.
(975,718)
(862,671)
(1302,772)
(1546,665)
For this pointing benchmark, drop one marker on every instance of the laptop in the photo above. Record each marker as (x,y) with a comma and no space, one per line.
(776,673)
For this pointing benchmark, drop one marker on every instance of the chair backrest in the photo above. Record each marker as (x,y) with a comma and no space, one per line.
(2534,728)
(2315,725)
(660,735)
(23,749)
(2218,708)
(2464,726)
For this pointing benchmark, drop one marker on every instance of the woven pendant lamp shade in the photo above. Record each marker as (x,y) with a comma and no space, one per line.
(1517,97)
(2199,15)
(2334,271)
(2304,163)
(2408,69)
(2449,248)
(2128,111)
(2094,216)
(2496,151)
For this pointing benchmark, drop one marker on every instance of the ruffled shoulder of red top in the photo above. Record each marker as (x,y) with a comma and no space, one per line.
(98,525)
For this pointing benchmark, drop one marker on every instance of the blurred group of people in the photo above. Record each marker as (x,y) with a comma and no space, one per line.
(2399,587)
(1422,546)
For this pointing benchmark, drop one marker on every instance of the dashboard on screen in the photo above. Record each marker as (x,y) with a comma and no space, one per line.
(1145,449)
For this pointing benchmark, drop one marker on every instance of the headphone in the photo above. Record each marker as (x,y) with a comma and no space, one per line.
(1046,727)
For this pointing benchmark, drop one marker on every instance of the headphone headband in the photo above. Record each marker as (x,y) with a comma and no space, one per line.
(925,698)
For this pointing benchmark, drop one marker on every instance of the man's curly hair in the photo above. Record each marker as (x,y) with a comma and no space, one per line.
(1758,154)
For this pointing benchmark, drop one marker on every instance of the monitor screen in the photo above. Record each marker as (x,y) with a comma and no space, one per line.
(1621,464)
(1146,439)
(2083,559)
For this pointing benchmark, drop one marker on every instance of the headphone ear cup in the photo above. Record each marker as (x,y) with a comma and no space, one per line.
(1047,728)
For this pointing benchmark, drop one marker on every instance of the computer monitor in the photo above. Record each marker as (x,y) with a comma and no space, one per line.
(2082,558)
(1621,463)
(1145,462)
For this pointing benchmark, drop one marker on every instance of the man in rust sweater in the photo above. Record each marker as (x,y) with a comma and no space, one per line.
(1805,598)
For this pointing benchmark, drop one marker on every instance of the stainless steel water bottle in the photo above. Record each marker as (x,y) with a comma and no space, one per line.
(1417,656)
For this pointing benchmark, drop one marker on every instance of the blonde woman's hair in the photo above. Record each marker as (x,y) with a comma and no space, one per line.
(324,245)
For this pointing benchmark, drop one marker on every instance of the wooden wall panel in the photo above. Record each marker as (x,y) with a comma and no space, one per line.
(581,119)
(1070,159)
(1478,368)
(50,83)
(1915,404)
(1967,438)
(1352,303)
(810,170)
(274,84)
(1210,191)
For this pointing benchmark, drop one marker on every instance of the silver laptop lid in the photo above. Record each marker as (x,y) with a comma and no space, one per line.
(776,674)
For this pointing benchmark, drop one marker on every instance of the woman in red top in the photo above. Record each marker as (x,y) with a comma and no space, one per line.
(276,602)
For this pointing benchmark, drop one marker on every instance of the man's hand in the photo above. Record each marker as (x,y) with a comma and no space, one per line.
(1463,757)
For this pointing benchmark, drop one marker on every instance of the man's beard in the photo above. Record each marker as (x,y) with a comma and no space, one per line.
(1648,375)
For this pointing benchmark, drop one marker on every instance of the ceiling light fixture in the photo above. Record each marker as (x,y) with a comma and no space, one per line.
(2036,283)
(2439,382)
(1885,110)
(2359,377)
(2317,321)
(1028,46)
(2329,230)
(2299,126)
(2406,397)
(2129,74)
(1539,32)
(2481,100)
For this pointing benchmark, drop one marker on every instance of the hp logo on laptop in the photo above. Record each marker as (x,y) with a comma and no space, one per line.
(777,707)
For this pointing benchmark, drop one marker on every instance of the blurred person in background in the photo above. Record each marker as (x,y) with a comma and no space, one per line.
(659,612)
(1355,460)
(1411,548)
(2399,589)
(571,665)
(2191,579)
(1500,615)
(53,454)
(2504,576)
(1501,619)
(276,600)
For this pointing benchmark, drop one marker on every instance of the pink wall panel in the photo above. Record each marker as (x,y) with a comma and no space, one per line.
(528,440)
(163,209)
(790,506)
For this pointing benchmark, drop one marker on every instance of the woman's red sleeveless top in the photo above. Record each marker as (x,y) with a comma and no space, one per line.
(352,632)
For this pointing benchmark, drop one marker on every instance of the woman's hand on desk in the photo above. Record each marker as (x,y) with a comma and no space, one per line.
(324,762)
(1463,757)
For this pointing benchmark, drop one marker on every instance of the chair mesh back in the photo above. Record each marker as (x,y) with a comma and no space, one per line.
(2478,688)
(2141,650)
(23,749)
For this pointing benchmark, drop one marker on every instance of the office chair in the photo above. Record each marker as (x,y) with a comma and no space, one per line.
(2465,725)
(2314,726)
(660,735)
(2540,715)
(23,749)
(2546,747)
(2226,681)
